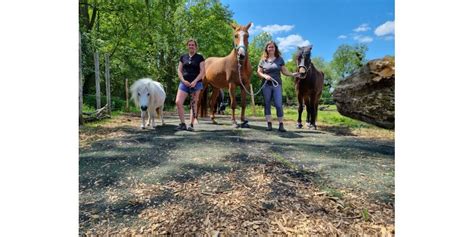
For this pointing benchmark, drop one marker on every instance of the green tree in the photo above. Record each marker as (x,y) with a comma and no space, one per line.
(289,91)
(330,76)
(347,59)
(208,21)
(146,38)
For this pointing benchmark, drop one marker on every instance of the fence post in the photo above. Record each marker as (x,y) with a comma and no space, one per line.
(107,84)
(81,120)
(253,100)
(97,80)
(126,95)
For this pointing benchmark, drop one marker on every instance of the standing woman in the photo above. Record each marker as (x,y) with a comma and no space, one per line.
(190,72)
(270,66)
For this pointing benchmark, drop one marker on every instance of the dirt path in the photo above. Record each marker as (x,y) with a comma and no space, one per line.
(298,182)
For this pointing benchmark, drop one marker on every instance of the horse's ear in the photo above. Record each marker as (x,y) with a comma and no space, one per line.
(298,47)
(310,46)
(249,25)
(234,26)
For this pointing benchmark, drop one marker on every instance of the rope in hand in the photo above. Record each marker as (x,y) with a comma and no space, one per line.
(274,82)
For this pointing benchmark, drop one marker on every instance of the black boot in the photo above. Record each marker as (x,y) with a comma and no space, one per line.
(182,126)
(269,126)
(281,128)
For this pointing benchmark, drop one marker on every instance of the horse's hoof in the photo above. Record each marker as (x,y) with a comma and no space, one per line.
(245,124)
(214,121)
(143,127)
(299,125)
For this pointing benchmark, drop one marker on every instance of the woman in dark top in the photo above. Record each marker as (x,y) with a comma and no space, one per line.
(190,73)
(269,68)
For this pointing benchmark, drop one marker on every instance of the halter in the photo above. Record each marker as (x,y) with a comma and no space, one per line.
(305,68)
(237,47)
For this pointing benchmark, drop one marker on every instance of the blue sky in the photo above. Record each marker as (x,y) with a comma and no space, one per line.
(325,24)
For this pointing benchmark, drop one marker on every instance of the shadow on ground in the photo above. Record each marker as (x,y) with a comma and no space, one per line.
(111,169)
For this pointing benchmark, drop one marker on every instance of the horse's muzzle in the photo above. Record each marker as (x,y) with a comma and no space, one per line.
(241,57)
(302,71)
(143,108)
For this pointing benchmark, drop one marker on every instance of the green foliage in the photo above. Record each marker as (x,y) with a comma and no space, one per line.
(207,21)
(329,117)
(146,38)
(347,59)
(329,78)
(289,90)
(89,101)
(365,214)
(333,192)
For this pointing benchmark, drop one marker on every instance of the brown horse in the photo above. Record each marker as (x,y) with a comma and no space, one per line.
(309,86)
(230,72)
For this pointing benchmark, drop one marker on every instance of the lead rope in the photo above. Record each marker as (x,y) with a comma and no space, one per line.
(274,82)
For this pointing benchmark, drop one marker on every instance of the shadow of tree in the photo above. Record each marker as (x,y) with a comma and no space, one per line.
(163,156)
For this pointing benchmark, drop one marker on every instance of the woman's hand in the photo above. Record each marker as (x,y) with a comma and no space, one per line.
(267,77)
(193,84)
(296,74)
(186,83)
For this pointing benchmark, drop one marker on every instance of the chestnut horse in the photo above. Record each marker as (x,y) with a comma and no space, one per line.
(230,72)
(309,86)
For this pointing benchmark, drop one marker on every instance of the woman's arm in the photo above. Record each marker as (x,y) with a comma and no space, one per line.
(180,75)
(285,72)
(202,72)
(263,75)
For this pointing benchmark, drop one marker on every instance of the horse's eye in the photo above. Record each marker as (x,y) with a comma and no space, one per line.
(138,94)
(148,94)
(236,36)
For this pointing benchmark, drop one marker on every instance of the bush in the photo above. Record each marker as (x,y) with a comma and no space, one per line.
(118,104)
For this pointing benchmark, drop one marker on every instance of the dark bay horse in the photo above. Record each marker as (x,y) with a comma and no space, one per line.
(309,86)
(230,72)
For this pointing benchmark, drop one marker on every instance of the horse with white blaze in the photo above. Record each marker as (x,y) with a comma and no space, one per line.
(150,96)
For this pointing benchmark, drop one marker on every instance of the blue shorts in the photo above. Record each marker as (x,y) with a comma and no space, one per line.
(189,90)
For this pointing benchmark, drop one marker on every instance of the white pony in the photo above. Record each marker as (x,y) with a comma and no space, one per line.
(150,96)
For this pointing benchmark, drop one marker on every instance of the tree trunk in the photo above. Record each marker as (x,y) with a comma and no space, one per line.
(369,94)
(81,120)
(127,109)
(97,80)
(107,84)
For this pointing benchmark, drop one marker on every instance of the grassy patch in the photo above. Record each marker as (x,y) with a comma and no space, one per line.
(329,117)
(333,192)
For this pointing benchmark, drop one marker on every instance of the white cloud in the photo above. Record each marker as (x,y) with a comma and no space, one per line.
(390,37)
(289,42)
(271,29)
(342,37)
(362,28)
(363,39)
(386,28)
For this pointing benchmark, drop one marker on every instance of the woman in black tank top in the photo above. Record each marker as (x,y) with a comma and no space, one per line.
(190,73)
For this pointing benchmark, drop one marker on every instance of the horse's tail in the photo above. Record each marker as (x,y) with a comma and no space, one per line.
(203,102)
